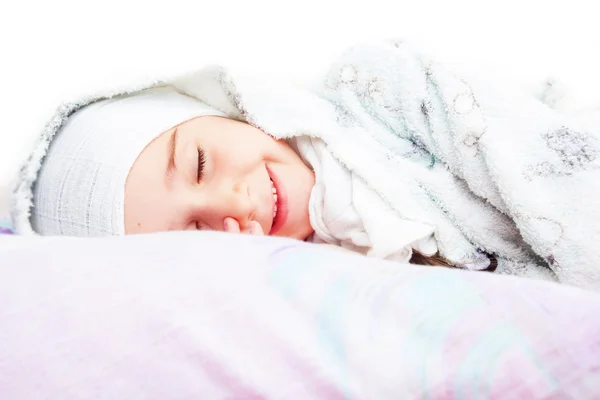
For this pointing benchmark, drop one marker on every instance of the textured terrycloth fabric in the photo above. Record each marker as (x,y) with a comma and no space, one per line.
(488,171)
(181,316)
(424,150)
(409,155)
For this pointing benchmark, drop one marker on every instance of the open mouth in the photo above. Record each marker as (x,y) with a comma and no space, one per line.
(275,205)
(279,203)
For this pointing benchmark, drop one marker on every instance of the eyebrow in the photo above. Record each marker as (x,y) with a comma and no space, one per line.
(172,148)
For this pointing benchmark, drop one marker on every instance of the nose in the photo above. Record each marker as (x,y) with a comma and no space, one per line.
(227,200)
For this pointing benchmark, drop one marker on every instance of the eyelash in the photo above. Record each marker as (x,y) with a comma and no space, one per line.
(201,162)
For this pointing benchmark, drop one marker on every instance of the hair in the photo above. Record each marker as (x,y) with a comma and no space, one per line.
(438,261)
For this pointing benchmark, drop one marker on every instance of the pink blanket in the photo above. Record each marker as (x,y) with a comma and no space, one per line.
(214,316)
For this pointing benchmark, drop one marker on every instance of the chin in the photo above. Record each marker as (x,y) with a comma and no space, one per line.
(303,233)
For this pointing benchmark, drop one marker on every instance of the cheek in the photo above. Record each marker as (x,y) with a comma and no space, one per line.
(242,156)
(275,151)
(147,206)
(141,217)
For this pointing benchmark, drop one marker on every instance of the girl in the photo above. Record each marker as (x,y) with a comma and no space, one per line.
(391,156)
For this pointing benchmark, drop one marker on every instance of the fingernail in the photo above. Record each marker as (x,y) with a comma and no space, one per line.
(225,225)
(252,228)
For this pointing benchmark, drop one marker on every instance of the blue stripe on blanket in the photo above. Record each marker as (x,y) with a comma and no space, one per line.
(5,226)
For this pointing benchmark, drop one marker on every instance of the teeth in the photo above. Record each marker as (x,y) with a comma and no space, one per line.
(274,198)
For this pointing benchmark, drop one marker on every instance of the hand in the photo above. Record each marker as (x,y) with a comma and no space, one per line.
(232,226)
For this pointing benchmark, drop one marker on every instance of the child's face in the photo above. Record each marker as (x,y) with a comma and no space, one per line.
(210,169)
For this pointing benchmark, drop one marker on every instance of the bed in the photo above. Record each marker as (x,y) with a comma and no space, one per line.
(201,315)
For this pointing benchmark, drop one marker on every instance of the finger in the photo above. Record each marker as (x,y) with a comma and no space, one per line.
(254,228)
(231,225)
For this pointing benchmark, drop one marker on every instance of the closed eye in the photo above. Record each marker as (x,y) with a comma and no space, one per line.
(201,162)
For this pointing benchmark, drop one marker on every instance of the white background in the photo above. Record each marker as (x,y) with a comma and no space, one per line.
(54,50)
